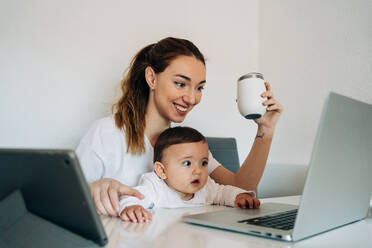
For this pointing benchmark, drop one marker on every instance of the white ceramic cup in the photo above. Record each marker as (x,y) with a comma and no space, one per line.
(250,87)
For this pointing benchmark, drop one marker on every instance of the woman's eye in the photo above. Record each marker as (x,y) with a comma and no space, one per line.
(180,84)
(186,163)
(204,163)
(200,88)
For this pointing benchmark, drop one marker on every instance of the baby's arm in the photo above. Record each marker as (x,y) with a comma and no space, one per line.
(228,195)
(133,209)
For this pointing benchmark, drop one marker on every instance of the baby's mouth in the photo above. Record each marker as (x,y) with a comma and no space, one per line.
(195,182)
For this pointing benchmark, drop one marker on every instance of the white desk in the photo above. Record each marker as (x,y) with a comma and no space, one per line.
(168,230)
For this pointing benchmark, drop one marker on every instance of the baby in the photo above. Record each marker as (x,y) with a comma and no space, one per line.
(180,179)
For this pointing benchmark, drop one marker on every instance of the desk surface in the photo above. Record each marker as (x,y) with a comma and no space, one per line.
(168,230)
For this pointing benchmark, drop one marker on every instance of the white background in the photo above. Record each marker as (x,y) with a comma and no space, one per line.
(61,63)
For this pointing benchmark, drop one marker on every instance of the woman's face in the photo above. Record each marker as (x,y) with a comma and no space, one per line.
(179,88)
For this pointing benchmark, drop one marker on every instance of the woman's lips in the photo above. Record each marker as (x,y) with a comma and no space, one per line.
(181,110)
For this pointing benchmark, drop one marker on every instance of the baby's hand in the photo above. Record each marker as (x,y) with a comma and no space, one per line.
(245,200)
(136,213)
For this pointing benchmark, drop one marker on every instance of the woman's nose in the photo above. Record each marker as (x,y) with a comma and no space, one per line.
(190,97)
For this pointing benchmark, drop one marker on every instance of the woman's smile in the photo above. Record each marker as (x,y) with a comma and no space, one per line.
(181,109)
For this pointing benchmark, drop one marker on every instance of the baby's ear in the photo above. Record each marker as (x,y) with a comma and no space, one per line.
(160,170)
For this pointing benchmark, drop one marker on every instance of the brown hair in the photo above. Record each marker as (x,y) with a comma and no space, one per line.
(129,112)
(173,136)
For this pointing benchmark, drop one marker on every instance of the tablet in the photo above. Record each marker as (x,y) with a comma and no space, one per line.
(53,188)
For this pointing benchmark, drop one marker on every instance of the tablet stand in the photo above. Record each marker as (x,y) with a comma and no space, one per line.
(21,228)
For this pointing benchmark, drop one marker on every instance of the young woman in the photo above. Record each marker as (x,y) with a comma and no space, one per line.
(164,82)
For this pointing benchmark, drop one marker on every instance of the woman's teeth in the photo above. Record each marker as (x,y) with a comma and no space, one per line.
(181,108)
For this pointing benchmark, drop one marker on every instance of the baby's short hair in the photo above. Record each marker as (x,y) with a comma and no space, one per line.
(173,136)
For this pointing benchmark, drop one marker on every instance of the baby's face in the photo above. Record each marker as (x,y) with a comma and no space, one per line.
(186,167)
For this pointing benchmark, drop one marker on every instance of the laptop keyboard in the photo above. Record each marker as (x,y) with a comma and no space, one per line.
(283,220)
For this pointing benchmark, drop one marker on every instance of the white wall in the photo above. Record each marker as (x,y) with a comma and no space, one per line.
(308,48)
(61,62)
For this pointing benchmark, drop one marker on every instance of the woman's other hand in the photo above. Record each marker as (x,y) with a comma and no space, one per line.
(273,111)
(106,193)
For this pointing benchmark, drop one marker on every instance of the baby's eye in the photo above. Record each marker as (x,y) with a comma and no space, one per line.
(186,163)
(204,163)
(180,84)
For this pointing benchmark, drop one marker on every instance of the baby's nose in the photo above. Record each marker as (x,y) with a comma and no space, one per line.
(196,170)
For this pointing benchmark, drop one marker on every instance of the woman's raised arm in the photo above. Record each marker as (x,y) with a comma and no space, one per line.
(250,172)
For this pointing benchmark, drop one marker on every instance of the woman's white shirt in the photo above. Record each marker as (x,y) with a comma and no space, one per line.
(102,154)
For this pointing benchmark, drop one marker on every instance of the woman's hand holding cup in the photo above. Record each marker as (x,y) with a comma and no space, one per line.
(256,101)
(273,110)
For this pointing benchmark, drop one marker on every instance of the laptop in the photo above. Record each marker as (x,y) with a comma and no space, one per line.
(45,201)
(338,185)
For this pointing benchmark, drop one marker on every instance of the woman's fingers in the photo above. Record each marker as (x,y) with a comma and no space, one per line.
(275,107)
(268,94)
(106,192)
(269,102)
(96,194)
(268,86)
(125,190)
(114,198)
(272,105)
(99,191)
(115,189)
(105,200)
